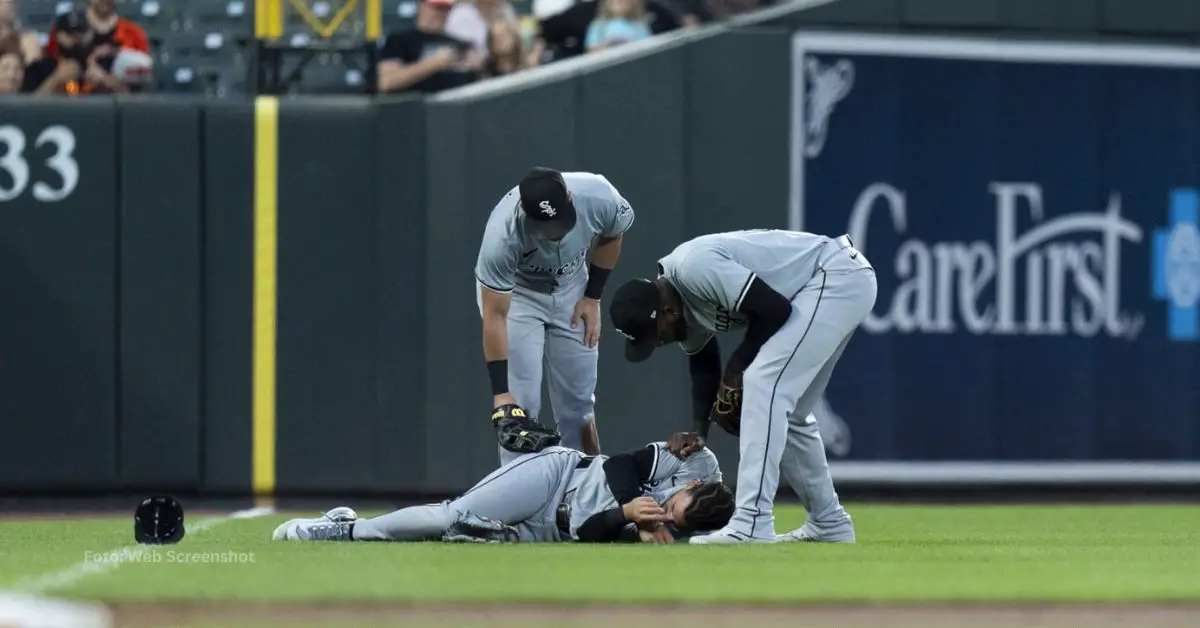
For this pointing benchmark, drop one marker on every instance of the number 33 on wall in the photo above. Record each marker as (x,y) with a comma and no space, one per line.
(15,166)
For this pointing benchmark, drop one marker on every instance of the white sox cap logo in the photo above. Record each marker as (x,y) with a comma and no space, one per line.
(547,208)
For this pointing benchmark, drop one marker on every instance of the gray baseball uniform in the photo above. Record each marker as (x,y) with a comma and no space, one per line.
(588,492)
(546,280)
(527,492)
(832,289)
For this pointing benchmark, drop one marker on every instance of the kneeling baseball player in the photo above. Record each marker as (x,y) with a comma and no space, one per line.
(655,494)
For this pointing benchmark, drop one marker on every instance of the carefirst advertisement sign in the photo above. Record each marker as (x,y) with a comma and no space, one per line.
(1032,214)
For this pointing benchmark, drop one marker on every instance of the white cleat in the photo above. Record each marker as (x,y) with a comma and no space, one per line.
(330,526)
(725,536)
(810,534)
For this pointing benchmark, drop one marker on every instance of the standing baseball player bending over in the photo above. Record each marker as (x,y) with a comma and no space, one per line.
(649,495)
(799,296)
(539,296)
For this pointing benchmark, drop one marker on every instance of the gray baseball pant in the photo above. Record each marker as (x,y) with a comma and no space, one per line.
(524,493)
(540,333)
(782,386)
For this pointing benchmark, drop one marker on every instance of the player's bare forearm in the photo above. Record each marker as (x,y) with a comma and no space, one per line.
(604,258)
(494,309)
(606,252)
(495,338)
(495,352)
(495,343)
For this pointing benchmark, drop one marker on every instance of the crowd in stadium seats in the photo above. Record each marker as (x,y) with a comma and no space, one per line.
(85,50)
(454,43)
(201,46)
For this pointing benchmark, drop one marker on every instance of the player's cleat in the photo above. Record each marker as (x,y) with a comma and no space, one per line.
(331,526)
(809,533)
(342,513)
(725,536)
(471,528)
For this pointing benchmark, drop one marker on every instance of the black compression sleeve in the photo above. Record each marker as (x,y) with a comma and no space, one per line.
(627,472)
(602,527)
(597,277)
(628,534)
(705,370)
(498,376)
(767,311)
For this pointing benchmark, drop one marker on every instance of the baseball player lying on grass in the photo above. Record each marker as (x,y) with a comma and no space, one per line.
(654,494)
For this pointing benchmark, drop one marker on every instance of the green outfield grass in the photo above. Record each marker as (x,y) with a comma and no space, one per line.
(904,554)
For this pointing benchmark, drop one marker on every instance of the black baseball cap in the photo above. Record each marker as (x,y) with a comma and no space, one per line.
(72,22)
(158,521)
(549,211)
(634,313)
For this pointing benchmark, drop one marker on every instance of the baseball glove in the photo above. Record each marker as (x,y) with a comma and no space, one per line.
(471,528)
(520,434)
(727,410)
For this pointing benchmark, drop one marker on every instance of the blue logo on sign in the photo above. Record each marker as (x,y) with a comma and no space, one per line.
(1176,265)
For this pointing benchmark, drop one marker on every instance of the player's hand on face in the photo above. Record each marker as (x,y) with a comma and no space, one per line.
(684,444)
(644,511)
(588,311)
(657,534)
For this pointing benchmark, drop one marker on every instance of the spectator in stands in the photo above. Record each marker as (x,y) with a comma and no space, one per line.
(426,59)
(507,52)
(12,69)
(469,20)
(565,32)
(82,48)
(715,10)
(27,39)
(617,22)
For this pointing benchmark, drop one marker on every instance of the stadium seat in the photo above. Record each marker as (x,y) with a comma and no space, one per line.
(159,18)
(233,16)
(205,49)
(398,15)
(522,7)
(323,77)
(179,78)
(40,14)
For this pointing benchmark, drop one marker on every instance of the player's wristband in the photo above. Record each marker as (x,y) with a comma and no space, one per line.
(498,374)
(596,279)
